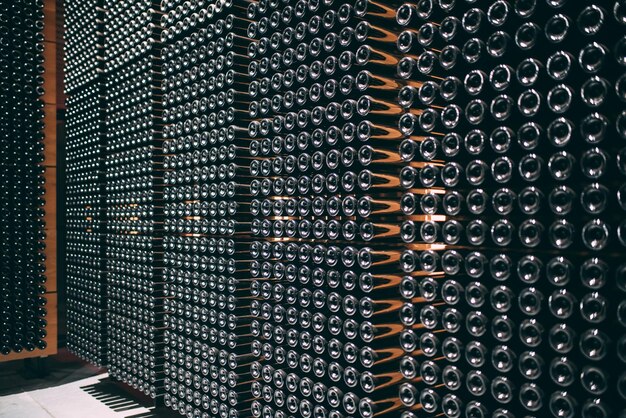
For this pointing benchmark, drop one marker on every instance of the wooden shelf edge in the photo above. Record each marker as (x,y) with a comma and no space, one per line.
(28,354)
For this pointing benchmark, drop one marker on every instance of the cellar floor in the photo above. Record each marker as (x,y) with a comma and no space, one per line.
(70,389)
(93,397)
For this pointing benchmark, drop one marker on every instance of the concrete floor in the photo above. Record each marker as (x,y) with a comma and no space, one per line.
(71,388)
(94,397)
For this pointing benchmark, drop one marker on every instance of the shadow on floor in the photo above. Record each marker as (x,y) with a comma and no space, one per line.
(24,376)
(119,399)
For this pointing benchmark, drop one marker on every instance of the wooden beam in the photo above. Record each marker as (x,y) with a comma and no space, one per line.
(51,260)
(50,75)
(51,199)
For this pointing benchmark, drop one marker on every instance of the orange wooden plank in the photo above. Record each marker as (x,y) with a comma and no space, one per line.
(50,75)
(51,260)
(51,198)
(50,135)
(50,20)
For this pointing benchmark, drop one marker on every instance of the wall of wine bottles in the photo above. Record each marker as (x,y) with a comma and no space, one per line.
(342,208)
(85,168)
(519,117)
(27,186)
(133,194)
(207,204)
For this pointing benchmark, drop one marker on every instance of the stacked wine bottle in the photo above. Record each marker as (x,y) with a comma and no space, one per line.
(133,196)
(86,288)
(207,206)
(328,251)
(341,208)
(517,109)
(22,270)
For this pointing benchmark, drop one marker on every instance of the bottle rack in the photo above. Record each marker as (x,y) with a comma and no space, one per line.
(363,208)
(134,195)
(85,153)
(39,95)
(206,209)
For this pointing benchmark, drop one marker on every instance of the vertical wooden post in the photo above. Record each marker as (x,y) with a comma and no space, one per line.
(50,161)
